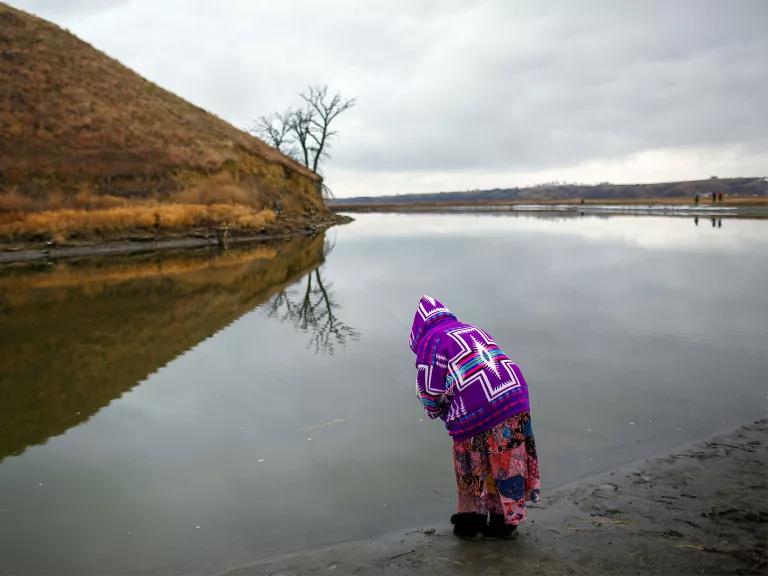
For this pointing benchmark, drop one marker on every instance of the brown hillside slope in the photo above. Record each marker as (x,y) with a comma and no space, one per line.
(80,130)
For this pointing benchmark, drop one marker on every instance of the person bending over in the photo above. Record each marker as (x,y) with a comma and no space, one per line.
(466,380)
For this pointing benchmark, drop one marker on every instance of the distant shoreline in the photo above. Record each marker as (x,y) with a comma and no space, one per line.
(744,207)
(748,190)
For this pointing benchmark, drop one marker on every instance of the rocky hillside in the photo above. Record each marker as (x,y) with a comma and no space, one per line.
(80,130)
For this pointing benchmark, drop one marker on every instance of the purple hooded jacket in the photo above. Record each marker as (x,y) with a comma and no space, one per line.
(462,376)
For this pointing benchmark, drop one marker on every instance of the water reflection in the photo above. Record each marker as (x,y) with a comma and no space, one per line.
(313,310)
(82,334)
(716,222)
(252,444)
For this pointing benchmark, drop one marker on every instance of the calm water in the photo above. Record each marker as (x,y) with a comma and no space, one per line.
(189,413)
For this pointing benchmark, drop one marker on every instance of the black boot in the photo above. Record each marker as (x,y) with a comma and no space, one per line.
(496,528)
(468,525)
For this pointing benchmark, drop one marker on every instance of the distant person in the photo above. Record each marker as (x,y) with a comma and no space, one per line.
(719,196)
(696,220)
(696,199)
(463,378)
(714,197)
(719,222)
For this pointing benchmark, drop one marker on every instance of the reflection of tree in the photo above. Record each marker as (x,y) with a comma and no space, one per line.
(314,312)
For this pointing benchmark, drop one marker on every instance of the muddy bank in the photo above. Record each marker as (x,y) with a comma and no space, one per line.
(28,254)
(700,510)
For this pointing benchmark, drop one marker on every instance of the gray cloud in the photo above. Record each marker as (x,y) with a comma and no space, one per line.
(455,87)
(584,86)
(57,9)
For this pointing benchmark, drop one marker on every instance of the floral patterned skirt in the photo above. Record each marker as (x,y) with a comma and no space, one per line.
(497,470)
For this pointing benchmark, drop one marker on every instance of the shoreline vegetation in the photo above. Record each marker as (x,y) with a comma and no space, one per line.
(67,224)
(699,509)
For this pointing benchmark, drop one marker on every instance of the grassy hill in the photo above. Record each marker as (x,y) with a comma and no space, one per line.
(729,187)
(80,132)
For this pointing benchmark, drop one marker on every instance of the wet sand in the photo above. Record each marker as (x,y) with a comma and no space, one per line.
(700,510)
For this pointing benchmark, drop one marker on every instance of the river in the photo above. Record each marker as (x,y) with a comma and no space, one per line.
(192,411)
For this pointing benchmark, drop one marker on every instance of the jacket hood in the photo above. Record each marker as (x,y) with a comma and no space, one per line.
(428,313)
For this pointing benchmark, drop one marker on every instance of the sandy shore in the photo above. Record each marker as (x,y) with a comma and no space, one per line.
(700,510)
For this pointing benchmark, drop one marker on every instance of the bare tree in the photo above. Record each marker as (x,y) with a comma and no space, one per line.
(301,129)
(275,130)
(305,133)
(323,110)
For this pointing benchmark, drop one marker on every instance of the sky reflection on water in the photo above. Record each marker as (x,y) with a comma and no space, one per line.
(635,335)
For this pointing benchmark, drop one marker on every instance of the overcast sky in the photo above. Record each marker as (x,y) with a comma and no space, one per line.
(461,95)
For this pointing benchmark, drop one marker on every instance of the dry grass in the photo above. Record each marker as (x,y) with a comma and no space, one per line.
(61,225)
(85,199)
(78,130)
(70,101)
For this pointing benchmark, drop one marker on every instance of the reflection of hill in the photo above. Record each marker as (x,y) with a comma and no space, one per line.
(75,337)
